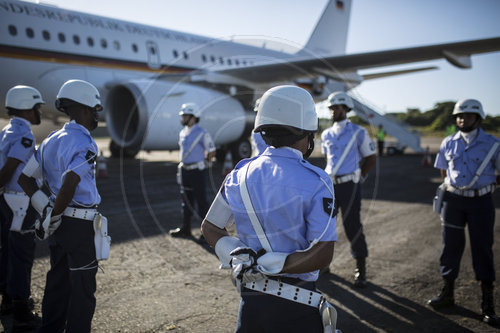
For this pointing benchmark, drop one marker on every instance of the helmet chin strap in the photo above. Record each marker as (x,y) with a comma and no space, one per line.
(471,127)
(310,147)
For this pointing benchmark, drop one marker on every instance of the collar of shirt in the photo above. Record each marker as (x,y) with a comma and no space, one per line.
(283,151)
(74,125)
(21,121)
(469,137)
(188,129)
(339,126)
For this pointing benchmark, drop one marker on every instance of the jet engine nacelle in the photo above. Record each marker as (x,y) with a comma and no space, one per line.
(144,114)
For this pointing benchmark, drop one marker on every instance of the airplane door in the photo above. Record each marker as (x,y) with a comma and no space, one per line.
(153,55)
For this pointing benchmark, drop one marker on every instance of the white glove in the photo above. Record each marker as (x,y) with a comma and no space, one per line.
(45,228)
(39,201)
(271,263)
(223,249)
(243,267)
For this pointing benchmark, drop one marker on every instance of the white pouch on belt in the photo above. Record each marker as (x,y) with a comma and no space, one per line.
(102,240)
(178,175)
(18,203)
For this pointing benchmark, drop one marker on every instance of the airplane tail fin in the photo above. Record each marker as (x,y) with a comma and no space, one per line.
(329,37)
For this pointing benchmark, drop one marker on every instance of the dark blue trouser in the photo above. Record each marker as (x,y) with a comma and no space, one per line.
(478,214)
(193,190)
(69,301)
(4,241)
(348,201)
(264,313)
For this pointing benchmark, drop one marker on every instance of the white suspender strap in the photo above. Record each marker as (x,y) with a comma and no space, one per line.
(251,212)
(482,166)
(198,138)
(346,151)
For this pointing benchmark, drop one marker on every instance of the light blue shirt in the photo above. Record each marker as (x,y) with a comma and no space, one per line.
(17,141)
(258,144)
(334,141)
(291,201)
(461,160)
(204,145)
(71,148)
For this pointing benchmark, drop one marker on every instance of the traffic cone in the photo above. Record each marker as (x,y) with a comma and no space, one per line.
(102,169)
(228,164)
(427,161)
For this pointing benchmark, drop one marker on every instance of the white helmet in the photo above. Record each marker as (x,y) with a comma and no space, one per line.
(81,92)
(287,106)
(190,109)
(469,106)
(23,98)
(340,98)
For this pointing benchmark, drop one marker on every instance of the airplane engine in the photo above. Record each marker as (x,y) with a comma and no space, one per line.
(144,114)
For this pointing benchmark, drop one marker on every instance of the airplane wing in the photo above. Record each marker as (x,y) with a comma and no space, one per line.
(457,54)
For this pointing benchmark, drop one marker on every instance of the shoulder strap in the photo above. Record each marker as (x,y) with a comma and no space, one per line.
(482,166)
(245,195)
(346,151)
(198,138)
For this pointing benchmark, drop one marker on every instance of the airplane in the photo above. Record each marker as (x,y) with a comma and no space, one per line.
(146,73)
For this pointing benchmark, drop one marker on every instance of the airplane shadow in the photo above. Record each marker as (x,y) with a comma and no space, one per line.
(375,309)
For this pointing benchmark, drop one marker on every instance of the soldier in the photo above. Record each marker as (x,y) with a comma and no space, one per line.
(196,149)
(17,146)
(67,203)
(281,206)
(468,160)
(350,154)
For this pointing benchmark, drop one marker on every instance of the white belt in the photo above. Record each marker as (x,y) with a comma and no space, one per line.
(287,291)
(80,213)
(343,179)
(200,165)
(472,193)
(14,192)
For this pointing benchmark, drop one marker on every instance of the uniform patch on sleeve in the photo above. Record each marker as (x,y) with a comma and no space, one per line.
(90,157)
(328,206)
(26,142)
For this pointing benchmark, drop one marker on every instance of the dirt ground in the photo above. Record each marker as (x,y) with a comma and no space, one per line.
(154,283)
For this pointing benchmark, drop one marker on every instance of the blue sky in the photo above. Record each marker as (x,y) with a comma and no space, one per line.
(374,25)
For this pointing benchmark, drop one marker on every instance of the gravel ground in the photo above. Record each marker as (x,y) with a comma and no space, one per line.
(154,283)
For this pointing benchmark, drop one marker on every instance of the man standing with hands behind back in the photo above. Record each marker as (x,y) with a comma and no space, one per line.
(350,154)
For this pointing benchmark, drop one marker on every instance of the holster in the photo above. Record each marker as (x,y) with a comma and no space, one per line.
(437,203)
(102,240)
(18,203)
(328,317)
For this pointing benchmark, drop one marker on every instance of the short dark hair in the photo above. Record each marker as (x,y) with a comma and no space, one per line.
(280,136)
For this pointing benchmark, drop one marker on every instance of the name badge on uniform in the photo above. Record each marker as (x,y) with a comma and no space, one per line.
(328,206)
(26,142)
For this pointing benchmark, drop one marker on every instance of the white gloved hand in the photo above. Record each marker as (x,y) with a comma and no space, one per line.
(46,227)
(223,248)
(271,263)
(40,201)
(243,258)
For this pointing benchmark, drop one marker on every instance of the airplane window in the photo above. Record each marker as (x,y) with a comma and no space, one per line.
(90,41)
(12,30)
(76,39)
(152,50)
(30,33)
(229,62)
(237,62)
(212,58)
(116,45)
(135,48)
(244,62)
(46,35)
(204,58)
(61,37)
(185,55)
(104,43)
(176,54)
(221,60)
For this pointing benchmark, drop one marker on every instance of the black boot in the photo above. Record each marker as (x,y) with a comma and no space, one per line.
(360,273)
(488,305)
(6,305)
(24,318)
(184,231)
(445,298)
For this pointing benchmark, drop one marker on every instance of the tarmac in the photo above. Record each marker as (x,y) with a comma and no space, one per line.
(155,283)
